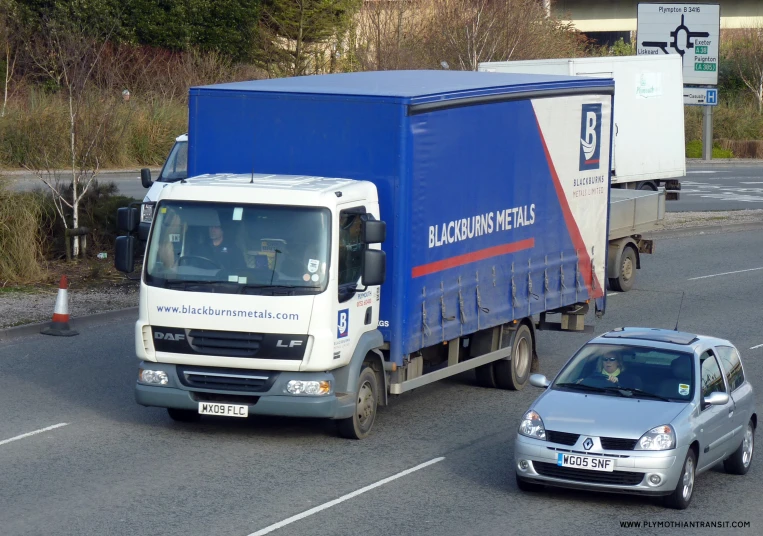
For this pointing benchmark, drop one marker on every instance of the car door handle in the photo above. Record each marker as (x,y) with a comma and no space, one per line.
(731,412)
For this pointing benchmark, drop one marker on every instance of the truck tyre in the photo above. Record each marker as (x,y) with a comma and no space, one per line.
(486,376)
(513,374)
(647,185)
(183,415)
(624,282)
(367,400)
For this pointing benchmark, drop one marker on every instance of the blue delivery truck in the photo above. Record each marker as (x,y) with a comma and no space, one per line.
(344,239)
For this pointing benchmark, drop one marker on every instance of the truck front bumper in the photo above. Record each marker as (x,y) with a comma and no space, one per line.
(273,401)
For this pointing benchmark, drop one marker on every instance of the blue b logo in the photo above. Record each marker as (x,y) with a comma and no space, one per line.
(590,137)
(343,324)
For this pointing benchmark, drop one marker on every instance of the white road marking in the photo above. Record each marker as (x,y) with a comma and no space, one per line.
(725,273)
(22,436)
(751,183)
(700,172)
(613,294)
(756,347)
(343,498)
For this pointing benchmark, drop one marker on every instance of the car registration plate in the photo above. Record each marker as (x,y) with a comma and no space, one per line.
(223,410)
(585,462)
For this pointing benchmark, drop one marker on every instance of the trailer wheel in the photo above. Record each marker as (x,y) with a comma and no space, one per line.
(513,374)
(367,400)
(624,282)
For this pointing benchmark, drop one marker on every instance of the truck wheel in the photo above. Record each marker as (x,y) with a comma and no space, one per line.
(359,425)
(513,374)
(183,415)
(625,281)
(486,376)
(647,185)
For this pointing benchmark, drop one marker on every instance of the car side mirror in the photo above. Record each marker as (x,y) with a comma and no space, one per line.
(124,254)
(145,178)
(716,399)
(373,232)
(539,380)
(374,267)
(127,219)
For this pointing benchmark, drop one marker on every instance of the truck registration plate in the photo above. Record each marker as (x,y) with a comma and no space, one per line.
(223,410)
(585,462)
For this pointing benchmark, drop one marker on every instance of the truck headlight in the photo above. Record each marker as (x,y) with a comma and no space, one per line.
(658,438)
(153,377)
(147,212)
(532,426)
(299,387)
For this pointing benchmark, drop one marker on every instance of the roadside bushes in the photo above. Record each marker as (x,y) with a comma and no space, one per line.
(21,244)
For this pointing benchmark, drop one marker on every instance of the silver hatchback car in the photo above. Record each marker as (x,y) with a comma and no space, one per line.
(640,411)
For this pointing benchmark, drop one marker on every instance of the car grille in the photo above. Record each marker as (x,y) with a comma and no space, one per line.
(616,443)
(226,379)
(619,478)
(227,343)
(562,438)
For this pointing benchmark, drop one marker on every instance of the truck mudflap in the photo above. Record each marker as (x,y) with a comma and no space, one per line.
(274,400)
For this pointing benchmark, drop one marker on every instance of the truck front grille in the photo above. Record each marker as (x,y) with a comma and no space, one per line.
(220,379)
(227,343)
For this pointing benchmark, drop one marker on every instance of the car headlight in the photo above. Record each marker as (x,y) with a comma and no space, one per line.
(658,438)
(532,426)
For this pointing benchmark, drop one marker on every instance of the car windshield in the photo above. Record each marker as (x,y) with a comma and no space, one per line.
(624,370)
(238,248)
(176,166)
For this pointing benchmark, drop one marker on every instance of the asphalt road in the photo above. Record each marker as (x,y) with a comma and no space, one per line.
(705,186)
(128,182)
(121,469)
(720,187)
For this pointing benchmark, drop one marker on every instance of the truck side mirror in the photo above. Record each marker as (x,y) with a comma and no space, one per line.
(373,232)
(374,267)
(124,254)
(127,219)
(145,178)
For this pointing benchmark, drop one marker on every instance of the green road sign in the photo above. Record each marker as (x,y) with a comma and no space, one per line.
(704,67)
(700,50)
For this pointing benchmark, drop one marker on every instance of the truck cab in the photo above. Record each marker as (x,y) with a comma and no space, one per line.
(175,168)
(263,284)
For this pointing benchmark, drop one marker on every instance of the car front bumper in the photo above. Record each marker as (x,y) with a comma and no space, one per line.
(536,461)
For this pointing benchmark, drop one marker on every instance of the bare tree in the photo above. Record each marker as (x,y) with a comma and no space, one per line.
(468,32)
(388,34)
(747,57)
(10,40)
(69,57)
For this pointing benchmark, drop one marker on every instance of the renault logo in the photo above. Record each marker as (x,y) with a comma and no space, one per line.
(588,444)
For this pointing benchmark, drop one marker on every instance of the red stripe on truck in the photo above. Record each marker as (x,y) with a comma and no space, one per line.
(572,227)
(460,260)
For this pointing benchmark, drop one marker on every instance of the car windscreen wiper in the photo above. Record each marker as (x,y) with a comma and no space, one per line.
(639,392)
(593,388)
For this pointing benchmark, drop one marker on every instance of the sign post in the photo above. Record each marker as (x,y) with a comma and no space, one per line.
(693,32)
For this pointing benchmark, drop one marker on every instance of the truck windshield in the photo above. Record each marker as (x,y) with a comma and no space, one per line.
(176,166)
(239,248)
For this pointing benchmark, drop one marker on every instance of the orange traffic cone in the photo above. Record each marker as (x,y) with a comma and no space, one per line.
(60,324)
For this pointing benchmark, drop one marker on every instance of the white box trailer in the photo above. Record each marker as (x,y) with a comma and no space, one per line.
(648,147)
